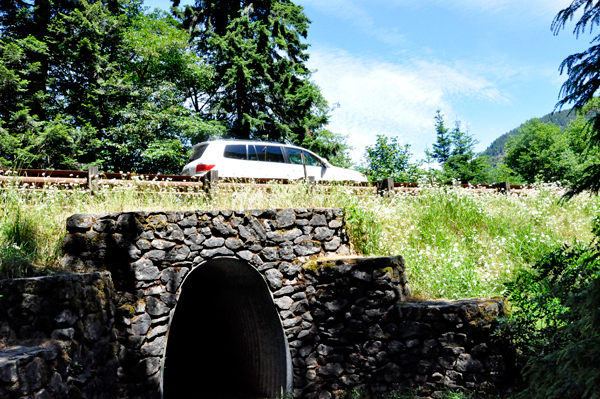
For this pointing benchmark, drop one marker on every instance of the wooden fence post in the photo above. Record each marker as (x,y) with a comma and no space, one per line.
(209,180)
(92,179)
(503,187)
(385,187)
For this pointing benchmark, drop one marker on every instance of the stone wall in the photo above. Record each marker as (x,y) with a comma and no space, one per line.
(361,332)
(452,344)
(57,337)
(349,321)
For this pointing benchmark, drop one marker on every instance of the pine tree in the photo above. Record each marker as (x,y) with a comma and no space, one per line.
(261,86)
(455,151)
(583,82)
(442,148)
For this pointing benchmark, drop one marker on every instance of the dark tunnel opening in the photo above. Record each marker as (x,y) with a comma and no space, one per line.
(225,339)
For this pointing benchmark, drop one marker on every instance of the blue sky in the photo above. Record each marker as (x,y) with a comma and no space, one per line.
(390,64)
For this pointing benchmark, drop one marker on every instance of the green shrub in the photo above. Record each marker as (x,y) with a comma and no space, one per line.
(14,262)
(555,322)
(18,244)
(365,228)
(448,393)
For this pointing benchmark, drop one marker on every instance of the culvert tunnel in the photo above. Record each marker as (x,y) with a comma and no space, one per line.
(225,340)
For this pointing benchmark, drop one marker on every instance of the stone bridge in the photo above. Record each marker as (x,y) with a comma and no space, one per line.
(234,304)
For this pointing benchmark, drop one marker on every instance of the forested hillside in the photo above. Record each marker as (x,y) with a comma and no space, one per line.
(498,146)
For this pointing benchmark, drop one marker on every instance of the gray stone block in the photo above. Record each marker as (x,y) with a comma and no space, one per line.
(274,278)
(80,221)
(214,242)
(178,253)
(307,247)
(284,303)
(318,220)
(145,270)
(190,221)
(323,234)
(156,308)
(234,243)
(154,347)
(286,218)
(156,255)
(162,244)
(269,254)
(210,253)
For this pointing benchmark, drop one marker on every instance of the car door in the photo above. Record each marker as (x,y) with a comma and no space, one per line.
(295,168)
(268,161)
(314,166)
(234,162)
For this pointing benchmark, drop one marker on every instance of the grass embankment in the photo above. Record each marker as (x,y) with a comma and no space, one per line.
(456,243)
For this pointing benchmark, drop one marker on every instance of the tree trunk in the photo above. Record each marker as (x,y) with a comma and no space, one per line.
(37,80)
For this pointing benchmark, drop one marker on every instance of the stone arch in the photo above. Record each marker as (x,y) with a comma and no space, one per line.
(225,337)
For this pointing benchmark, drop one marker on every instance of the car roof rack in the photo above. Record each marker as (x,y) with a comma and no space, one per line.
(252,141)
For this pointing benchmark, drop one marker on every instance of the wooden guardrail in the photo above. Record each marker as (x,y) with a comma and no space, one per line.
(92,179)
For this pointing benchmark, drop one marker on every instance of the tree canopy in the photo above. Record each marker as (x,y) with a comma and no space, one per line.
(540,152)
(454,150)
(261,87)
(108,83)
(583,71)
(388,158)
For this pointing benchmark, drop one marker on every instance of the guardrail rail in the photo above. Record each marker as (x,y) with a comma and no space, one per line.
(92,179)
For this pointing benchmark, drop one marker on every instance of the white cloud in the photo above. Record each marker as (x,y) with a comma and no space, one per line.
(358,16)
(393,100)
(361,13)
(517,8)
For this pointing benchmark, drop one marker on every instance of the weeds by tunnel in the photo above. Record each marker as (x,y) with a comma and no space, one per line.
(18,244)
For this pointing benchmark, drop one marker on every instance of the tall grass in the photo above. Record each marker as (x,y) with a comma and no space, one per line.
(413,393)
(457,243)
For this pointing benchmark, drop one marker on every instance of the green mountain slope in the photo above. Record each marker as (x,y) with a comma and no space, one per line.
(496,150)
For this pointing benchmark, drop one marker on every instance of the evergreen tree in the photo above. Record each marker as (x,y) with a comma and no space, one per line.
(464,164)
(125,78)
(261,86)
(583,71)
(455,151)
(102,82)
(20,19)
(443,145)
(115,95)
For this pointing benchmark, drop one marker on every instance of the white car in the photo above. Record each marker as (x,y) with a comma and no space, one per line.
(263,160)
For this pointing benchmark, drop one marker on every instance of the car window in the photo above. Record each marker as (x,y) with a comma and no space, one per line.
(235,151)
(269,153)
(295,155)
(252,153)
(311,160)
(198,151)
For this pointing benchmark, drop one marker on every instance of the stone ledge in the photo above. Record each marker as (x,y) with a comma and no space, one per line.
(61,338)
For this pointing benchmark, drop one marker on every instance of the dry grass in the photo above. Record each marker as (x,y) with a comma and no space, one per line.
(457,243)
